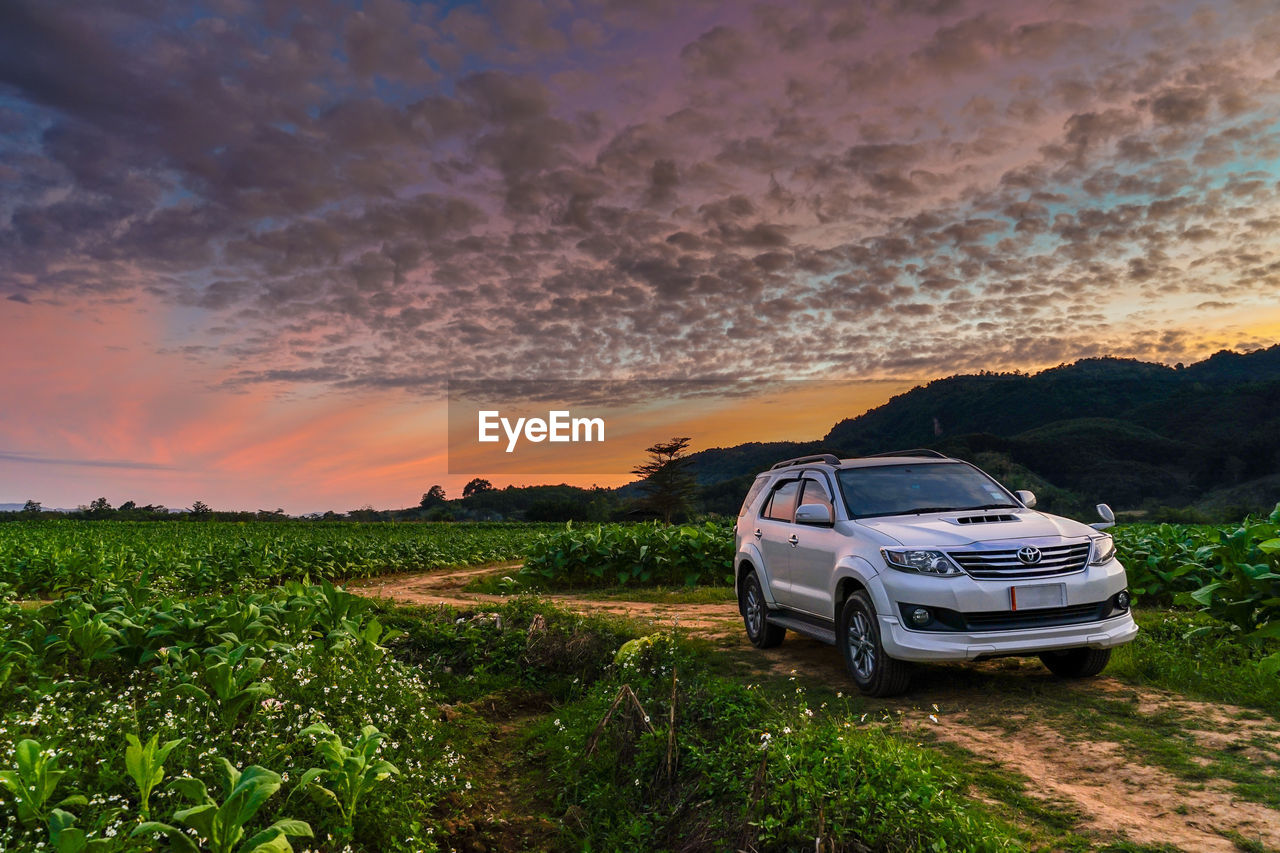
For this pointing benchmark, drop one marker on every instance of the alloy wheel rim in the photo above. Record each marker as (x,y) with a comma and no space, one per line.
(754,612)
(862,648)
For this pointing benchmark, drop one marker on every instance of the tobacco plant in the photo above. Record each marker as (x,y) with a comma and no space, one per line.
(220,827)
(632,555)
(349,771)
(145,766)
(32,782)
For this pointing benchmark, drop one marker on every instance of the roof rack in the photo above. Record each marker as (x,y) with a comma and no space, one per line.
(915,451)
(828,458)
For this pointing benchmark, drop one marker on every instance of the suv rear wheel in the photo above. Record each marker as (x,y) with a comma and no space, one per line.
(858,635)
(1076,663)
(752,606)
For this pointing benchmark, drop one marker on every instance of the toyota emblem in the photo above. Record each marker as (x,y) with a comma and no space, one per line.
(1028,555)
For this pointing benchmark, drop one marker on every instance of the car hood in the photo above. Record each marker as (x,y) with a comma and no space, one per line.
(941,529)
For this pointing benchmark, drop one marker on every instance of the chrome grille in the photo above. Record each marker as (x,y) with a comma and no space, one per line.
(1003,564)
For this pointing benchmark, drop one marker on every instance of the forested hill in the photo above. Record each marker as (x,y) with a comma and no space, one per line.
(1132,433)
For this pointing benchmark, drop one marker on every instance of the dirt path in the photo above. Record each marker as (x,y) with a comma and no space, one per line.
(1003,711)
(1115,794)
(718,620)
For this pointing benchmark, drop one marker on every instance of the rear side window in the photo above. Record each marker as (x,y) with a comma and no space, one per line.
(781,505)
(815,492)
(756,488)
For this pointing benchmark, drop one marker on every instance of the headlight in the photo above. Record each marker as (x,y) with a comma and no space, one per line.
(1104,548)
(920,562)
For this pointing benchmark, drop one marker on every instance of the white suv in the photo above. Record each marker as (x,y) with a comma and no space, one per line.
(914,556)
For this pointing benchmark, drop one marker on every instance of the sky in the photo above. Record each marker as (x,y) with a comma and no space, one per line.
(245,246)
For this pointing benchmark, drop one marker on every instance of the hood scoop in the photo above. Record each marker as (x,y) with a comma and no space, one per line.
(983,519)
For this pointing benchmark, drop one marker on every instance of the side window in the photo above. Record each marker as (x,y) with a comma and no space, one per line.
(782,503)
(752,494)
(816,492)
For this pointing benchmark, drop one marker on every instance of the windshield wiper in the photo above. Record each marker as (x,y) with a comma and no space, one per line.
(989,506)
(924,509)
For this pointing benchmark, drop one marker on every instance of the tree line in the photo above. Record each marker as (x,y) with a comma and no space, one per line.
(666,490)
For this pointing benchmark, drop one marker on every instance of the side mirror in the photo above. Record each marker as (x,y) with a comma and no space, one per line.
(813,514)
(1108,517)
(1028,498)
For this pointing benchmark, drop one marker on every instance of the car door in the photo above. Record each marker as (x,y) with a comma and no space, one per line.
(773,531)
(813,556)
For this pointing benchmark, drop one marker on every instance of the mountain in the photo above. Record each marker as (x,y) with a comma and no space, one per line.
(17,507)
(1133,434)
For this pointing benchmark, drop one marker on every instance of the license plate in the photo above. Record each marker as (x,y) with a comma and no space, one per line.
(1034,597)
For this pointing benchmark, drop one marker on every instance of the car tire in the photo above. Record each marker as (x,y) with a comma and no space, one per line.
(751,605)
(858,635)
(1076,663)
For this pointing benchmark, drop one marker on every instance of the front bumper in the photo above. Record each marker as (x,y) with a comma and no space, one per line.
(903,644)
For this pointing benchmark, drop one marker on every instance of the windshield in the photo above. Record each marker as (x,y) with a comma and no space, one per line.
(904,489)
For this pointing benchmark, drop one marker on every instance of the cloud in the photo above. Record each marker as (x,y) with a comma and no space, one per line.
(37,459)
(716,53)
(376,195)
(1180,106)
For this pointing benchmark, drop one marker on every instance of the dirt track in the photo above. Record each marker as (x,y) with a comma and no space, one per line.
(1113,791)
(446,587)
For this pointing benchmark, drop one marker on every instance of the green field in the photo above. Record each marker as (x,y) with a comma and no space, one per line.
(188,686)
(44,558)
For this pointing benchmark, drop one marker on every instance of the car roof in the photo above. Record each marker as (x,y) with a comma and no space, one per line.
(868,462)
(828,461)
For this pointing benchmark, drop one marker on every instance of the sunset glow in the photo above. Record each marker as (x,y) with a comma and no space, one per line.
(244,248)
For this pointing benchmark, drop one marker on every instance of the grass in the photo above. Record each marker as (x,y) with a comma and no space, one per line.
(1212,667)
(530,684)
(755,768)
(1001,694)
(1165,737)
(666,595)
(1041,821)
(514,583)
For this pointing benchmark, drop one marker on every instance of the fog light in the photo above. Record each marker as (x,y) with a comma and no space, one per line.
(920,616)
(1122,599)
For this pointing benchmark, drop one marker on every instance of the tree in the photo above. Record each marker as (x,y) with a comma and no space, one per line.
(32,507)
(99,508)
(666,482)
(200,509)
(433,497)
(128,506)
(364,513)
(475,487)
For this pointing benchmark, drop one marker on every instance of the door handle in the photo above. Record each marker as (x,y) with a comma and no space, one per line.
(758,533)
(794,540)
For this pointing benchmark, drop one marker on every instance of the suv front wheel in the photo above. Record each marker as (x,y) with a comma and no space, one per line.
(752,605)
(1076,663)
(858,635)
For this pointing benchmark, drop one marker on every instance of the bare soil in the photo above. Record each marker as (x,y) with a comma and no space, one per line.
(712,620)
(1114,792)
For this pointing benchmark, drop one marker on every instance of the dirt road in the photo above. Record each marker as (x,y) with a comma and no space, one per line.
(1082,748)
